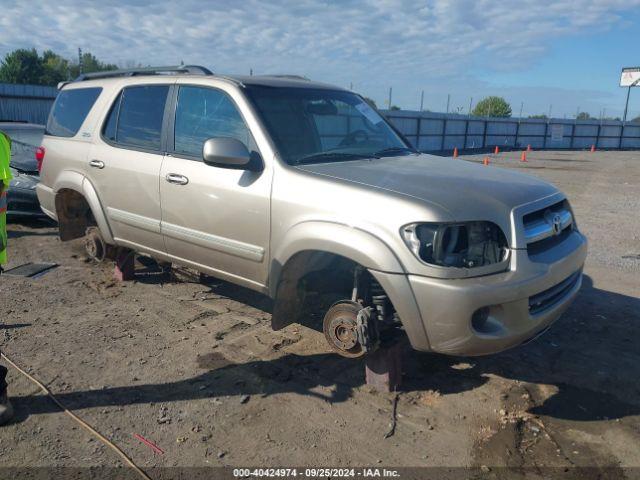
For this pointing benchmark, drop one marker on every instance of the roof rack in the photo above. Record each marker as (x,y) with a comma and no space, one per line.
(293,77)
(130,72)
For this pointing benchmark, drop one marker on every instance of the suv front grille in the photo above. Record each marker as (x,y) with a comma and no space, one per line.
(552,296)
(545,228)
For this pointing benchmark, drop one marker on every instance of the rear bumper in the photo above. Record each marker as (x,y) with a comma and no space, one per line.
(521,303)
(46,198)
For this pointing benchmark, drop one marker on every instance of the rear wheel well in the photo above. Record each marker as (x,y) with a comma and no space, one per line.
(74,214)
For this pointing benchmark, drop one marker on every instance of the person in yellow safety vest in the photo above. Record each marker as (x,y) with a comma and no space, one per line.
(6,410)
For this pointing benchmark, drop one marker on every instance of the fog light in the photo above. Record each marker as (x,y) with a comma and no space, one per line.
(479,319)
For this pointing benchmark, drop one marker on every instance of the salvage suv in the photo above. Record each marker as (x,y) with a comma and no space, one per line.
(304,192)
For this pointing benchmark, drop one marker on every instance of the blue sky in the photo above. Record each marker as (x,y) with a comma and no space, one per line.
(566,53)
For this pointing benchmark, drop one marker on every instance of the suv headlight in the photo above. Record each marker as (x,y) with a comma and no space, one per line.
(466,245)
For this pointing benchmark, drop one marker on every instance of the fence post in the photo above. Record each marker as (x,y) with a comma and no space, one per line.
(484,133)
(573,134)
(546,132)
(444,133)
(598,134)
(466,132)
(621,136)
(515,142)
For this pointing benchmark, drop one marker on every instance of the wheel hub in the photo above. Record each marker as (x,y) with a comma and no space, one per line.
(94,245)
(344,333)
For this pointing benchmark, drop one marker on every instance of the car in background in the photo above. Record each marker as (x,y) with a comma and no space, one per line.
(25,141)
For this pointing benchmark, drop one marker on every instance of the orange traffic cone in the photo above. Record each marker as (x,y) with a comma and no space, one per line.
(497,150)
(593,148)
(455,152)
(529,148)
(523,157)
(486,160)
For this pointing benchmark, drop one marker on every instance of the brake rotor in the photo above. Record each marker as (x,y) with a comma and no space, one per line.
(339,326)
(94,245)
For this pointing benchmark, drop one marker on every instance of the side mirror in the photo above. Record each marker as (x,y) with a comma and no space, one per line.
(226,152)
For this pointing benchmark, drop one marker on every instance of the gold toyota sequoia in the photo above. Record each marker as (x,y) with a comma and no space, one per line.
(304,192)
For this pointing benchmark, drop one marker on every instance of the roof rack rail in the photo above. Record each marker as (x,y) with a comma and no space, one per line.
(130,72)
(293,77)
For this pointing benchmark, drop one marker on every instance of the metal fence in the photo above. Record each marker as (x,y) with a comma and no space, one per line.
(26,103)
(440,132)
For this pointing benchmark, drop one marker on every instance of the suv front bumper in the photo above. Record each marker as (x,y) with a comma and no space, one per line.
(437,313)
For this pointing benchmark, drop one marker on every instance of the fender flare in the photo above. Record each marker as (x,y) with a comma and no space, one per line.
(79,183)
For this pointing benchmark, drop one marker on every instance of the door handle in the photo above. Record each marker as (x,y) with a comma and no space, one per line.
(176,178)
(97,163)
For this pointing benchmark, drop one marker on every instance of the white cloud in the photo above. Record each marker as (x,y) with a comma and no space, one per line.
(373,43)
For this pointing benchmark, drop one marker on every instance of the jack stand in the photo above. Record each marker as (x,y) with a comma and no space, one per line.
(125,265)
(383,369)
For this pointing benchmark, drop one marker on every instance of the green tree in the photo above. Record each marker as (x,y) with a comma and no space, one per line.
(540,116)
(26,66)
(394,107)
(492,107)
(56,68)
(583,116)
(22,66)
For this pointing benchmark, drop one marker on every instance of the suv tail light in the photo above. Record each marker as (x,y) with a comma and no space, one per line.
(40,157)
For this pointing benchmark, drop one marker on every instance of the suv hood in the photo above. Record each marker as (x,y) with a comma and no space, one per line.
(467,191)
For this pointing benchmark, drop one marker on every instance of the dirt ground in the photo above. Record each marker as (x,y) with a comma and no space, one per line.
(196,369)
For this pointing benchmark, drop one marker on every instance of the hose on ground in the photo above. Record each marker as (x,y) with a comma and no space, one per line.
(82,423)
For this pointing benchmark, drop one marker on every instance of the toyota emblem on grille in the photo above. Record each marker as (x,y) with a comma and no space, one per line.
(556,223)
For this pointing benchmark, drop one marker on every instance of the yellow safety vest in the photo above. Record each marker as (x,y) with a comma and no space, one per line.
(5,178)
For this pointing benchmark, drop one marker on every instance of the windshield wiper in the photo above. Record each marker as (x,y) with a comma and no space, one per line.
(319,157)
(392,150)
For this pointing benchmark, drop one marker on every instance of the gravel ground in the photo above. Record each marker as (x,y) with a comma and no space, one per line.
(196,369)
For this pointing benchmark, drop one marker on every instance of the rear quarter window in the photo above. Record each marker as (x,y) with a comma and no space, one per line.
(69,111)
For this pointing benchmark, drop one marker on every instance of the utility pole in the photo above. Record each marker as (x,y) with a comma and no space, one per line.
(448,100)
(390,92)
(626,105)
(470,105)
(350,85)
(251,72)
(80,66)
(550,108)
(521,108)
(422,100)
(577,113)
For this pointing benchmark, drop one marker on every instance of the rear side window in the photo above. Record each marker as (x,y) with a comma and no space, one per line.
(136,117)
(69,111)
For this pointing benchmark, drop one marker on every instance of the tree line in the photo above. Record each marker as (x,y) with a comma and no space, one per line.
(27,66)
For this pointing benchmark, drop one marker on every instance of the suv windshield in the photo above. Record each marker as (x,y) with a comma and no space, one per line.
(317,125)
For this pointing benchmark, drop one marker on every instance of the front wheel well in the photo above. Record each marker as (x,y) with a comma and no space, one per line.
(74,214)
(312,280)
